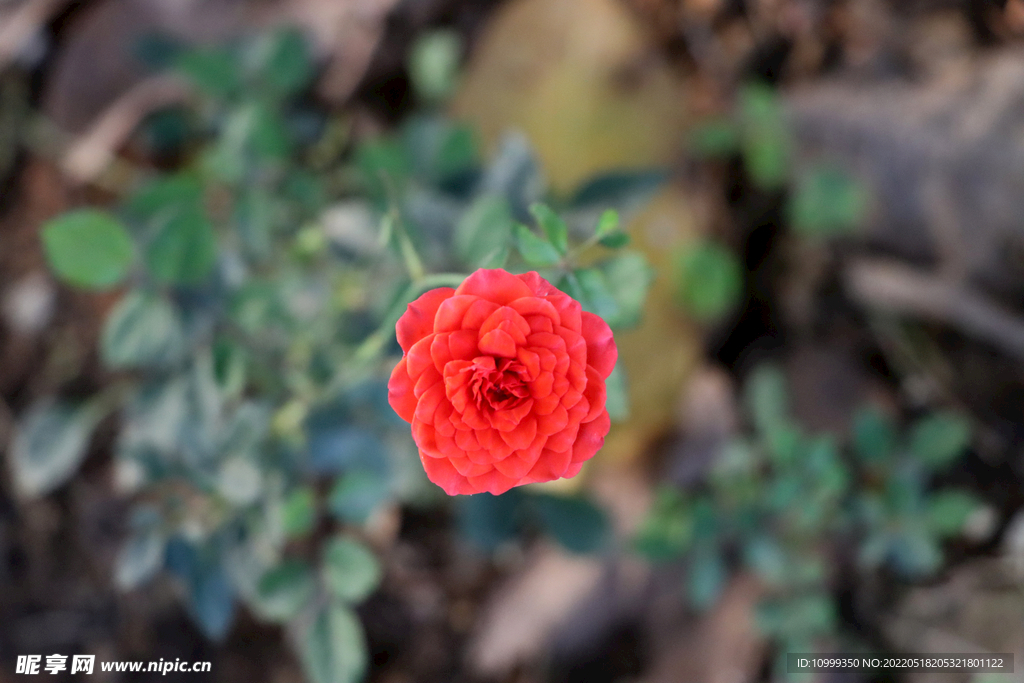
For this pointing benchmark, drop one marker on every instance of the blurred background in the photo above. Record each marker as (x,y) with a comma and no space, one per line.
(803,219)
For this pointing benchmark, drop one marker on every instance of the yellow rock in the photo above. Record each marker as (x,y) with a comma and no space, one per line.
(661,353)
(582,80)
(585,84)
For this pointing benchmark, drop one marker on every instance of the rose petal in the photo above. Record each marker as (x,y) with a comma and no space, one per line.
(572,470)
(522,436)
(591,438)
(429,378)
(562,441)
(478,313)
(506,420)
(418,356)
(443,423)
(601,350)
(537,284)
(506,318)
(550,465)
(534,306)
(494,483)
(451,312)
(462,345)
(426,438)
(468,468)
(569,311)
(545,406)
(553,422)
(443,473)
(494,285)
(539,323)
(515,466)
(418,319)
(541,387)
(498,343)
(400,394)
(595,393)
(549,341)
(531,361)
(467,441)
(429,402)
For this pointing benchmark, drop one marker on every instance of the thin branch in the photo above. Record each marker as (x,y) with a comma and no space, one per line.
(896,288)
(96,149)
(16,30)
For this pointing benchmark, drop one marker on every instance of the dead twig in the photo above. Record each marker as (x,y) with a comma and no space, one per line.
(899,289)
(94,151)
(17,29)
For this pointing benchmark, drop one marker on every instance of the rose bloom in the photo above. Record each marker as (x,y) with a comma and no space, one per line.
(503,380)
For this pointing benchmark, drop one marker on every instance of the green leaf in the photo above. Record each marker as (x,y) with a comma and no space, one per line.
(87,248)
(916,552)
(289,66)
(621,189)
(483,230)
(812,613)
(607,224)
(940,439)
(458,153)
(536,251)
(229,367)
(350,571)
(184,250)
(617,395)
(765,137)
(616,240)
(239,479)
(826,469)
(332,648)
(357,495)
(948,511)
(210,597)
(597,296)
(298,513)
(576,523)
(629,277)
(283,591)
(165,195)
(874,435)
(718,138)
(668,530)
(50,442)
(142,330)
(706,578)
(488,521)
(827,201)
(385,166)
(555,229)
(433,64)
(767,399)
(764,555)
(269,136)
(710,281)
(215,70)
(141,556)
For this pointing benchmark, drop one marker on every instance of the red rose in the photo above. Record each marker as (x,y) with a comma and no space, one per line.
(503,382)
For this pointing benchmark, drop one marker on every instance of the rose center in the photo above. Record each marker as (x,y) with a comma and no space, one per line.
(497,383)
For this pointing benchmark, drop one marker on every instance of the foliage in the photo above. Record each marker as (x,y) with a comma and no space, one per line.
(785,505)
(821,199)
(576,522)
(260,285)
